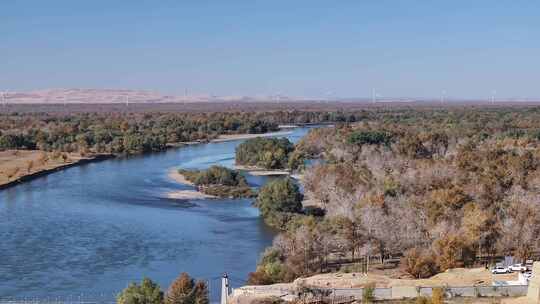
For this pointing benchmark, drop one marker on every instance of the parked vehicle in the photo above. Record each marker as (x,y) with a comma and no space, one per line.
(529,264)
(517,268)
(500,270)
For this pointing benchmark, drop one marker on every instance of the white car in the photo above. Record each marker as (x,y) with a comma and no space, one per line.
(500,269)
(518,268)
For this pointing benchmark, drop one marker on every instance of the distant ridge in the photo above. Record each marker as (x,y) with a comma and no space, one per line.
(106,96)
(121,96)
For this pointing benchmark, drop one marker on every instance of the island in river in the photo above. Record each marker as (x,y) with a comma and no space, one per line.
(216,181)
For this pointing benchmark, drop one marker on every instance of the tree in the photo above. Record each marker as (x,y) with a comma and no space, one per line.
(279,196)
(451,251)
(184,290)
(419,263)
(369,138)
(201,293)
(146,293)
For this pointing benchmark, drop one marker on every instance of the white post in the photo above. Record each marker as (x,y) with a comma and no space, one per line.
(224,289)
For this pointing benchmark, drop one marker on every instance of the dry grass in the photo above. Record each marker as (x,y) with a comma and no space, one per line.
(15,164)
(454,277)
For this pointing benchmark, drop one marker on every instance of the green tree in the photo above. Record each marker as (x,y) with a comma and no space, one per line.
(146,293)
(278,200)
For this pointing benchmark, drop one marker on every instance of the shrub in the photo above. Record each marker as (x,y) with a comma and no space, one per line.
(368,293)
(437,296)
(422,300)
(271,269)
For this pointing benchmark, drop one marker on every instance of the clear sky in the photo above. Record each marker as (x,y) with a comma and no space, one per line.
(300,48)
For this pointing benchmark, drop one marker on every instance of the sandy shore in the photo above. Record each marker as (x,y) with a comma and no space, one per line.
(185,194)
(261,172)
(189,194)
(288,126)
(230,137)
(176,176)
(17,166)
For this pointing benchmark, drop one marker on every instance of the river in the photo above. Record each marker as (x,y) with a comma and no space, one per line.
(86,232)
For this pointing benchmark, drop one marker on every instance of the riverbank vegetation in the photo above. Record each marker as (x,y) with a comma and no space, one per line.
(279,202)
(184,290)
(440,188)
(219,181)
(265,153)
(122,132)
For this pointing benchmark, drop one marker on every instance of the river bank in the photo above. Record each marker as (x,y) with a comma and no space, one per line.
(257,171)
(229,137)
(18,166)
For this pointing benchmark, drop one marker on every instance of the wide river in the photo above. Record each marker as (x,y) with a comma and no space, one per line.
(87,231)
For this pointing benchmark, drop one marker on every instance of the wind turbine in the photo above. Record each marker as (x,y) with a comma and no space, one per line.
(4,99)
(278,97)
(443,95)
(373,96)
(127,100)
(329,96)
(493,93)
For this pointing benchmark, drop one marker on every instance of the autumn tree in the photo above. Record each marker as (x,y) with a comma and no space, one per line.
(420,263)
(184,290)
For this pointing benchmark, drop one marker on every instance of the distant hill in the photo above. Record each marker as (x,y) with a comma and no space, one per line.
(82,96)
(121,96)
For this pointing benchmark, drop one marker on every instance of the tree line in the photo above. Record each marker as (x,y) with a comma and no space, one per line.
(132,133)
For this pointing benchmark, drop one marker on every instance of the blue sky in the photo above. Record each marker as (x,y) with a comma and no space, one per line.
(300,48)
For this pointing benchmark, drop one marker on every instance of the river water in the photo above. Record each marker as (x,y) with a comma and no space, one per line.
(85,232)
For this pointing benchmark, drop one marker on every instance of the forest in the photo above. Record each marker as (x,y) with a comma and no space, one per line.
(439,188)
